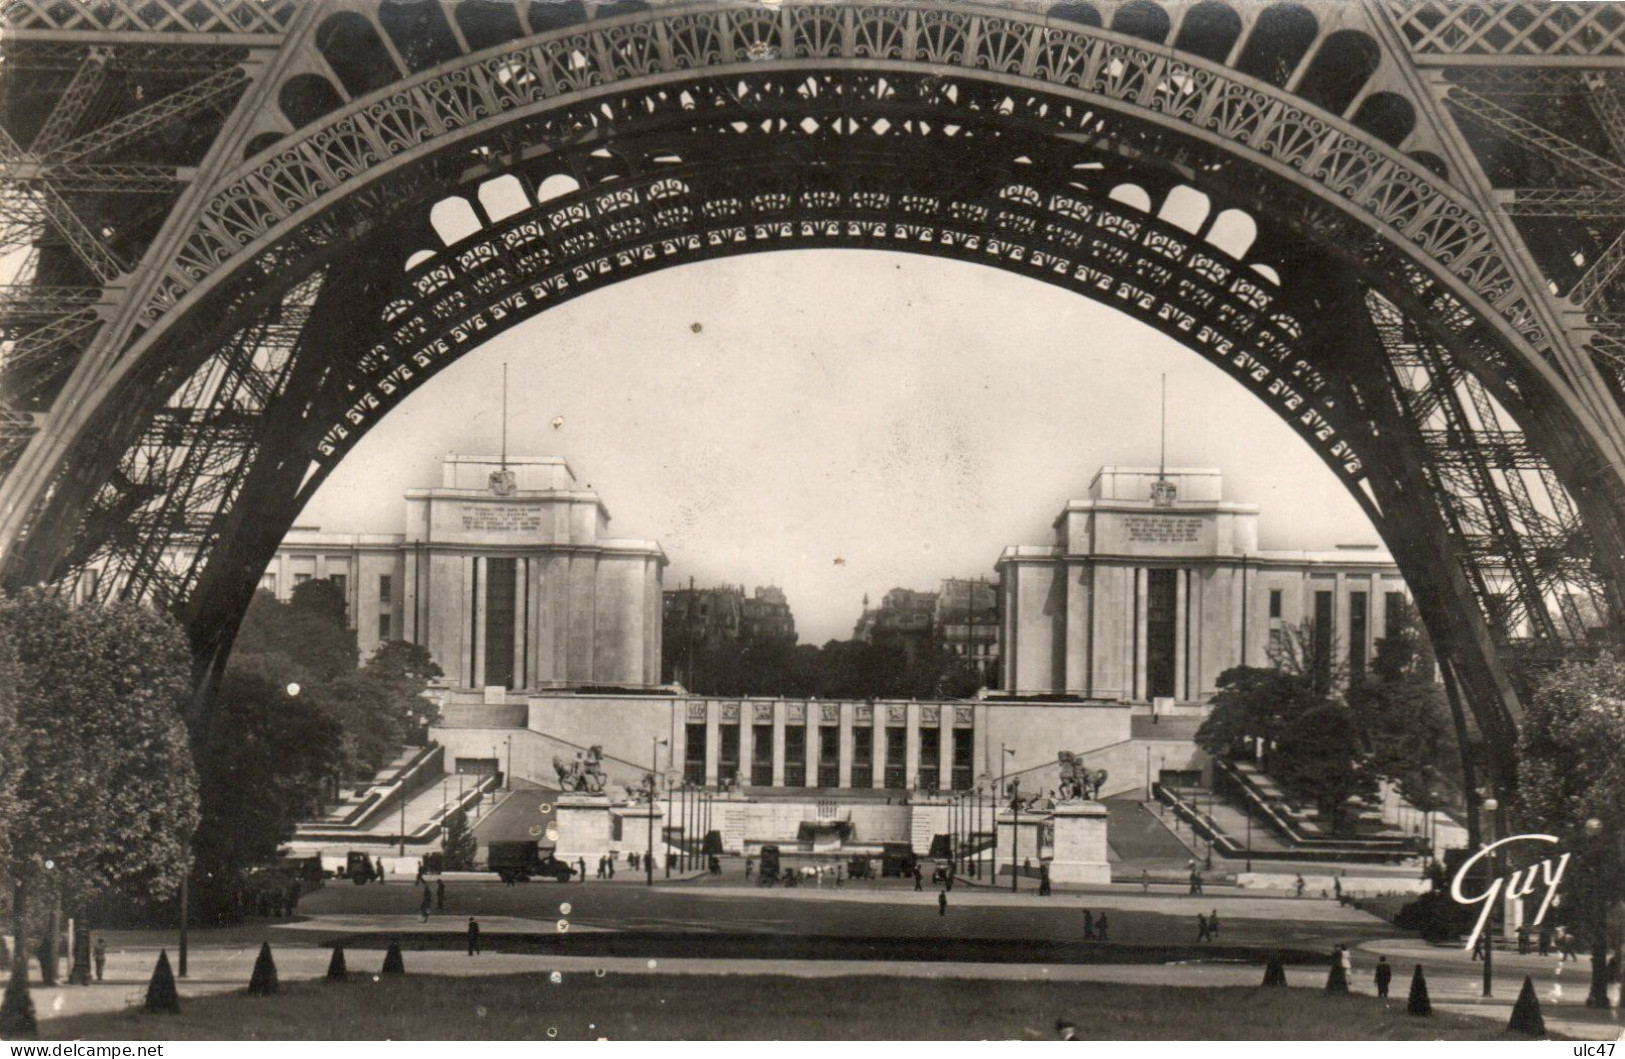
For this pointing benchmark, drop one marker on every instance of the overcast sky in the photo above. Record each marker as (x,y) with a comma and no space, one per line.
(764,417)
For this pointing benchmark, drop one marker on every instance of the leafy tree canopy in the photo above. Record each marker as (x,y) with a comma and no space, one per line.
(101,794)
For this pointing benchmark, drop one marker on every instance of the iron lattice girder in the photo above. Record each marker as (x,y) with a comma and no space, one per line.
(1559,149)
(129,178)
(150,16)
(211,90)
(1439,30)
(1582,203)
(73,102)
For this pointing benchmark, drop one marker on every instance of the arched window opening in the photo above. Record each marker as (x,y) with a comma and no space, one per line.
(1432,163)
(260,143)
(1278,42)
(419,258)
(1387,116)
(1210,30)
(1131,195)
(352,48)
(545,15)
(612,8)
(555,186)
(420,32)
(487,23)
(1076,11)
(503,197)
(1268,273)
(1186,208)
(1345,62)
(1233,232)
(307,97)
(453,220)
(1142,19)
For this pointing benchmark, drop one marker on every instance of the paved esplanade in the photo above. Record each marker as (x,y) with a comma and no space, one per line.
(708,917)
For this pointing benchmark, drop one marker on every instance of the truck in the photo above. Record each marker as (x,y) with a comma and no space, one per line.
(522,861)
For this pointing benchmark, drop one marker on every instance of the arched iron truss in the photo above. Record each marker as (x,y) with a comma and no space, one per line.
(1413,342)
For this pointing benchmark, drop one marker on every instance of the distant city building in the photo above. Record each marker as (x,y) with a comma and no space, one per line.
(1155,585)
(505,574)
(698,618)
(966,621)
(962,616)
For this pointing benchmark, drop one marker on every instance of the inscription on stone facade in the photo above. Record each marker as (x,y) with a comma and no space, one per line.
(488,518)
(1152,529)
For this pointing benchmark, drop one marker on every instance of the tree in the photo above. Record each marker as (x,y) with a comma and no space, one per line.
(1405,718)
(1253,703)
(265,760)
(457,842)
(1571,769)
(1319,760)
(105,797)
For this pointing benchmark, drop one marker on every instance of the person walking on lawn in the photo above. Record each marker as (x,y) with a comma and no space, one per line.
(1213,924)
(1100,927)
(942,902)
(1201,927)
(1384,975)
(428,902)
(439,895)
(473,936)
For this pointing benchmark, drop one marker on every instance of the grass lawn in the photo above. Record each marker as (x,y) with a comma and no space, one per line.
(666,1007)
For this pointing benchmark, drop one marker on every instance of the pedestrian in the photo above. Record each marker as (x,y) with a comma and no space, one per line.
(473,936)
(1545,941)
(1480,947)
(1100,927)
(1213,924)
(1145,881)
(1088,925)
(1565,944)
(1191,881)
(419,880)
(840,877)
(750,868)
(439,895)
(1298,886)
(428,901)
(633,860)
(1337,890)
(942,902)
(1026,865)
(919,879)
(1384,975)
(1201,927)
(581,867)
(100,956)
(1043,880)
(380,873)
(609,865)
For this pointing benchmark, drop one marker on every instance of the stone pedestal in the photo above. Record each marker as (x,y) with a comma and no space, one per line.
(1026,831)
(1080,844)
(637,829)
(584,827)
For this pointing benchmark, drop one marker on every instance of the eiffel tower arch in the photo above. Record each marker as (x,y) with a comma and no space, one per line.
(242,231)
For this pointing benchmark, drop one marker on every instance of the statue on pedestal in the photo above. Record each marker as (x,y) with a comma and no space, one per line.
(1079,783)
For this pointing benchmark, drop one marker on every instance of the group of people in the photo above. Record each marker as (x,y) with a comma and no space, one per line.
(1096,928)
(606,867)
(1207,927)
(435,900)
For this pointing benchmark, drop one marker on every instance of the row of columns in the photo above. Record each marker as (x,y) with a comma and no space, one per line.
(910,719)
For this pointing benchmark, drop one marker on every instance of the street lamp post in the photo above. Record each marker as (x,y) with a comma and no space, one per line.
(1004,751)
(1015,831)
(507,776)
(1598,895)
(654,770)
(1487,825)
(665,823)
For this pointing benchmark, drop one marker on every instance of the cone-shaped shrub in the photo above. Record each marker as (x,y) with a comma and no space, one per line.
(1419,1004)
(1338,980)
(1274,973)
(17,1021)
(1526,1017)
(335,966)
(162,997)
(263,981)
(393,964)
